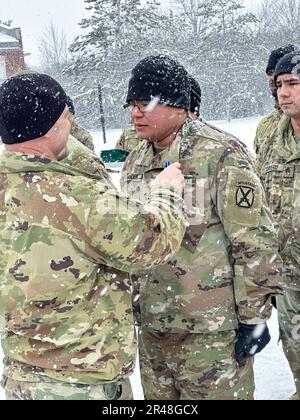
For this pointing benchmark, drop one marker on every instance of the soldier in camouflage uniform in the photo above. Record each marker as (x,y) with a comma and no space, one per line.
(83,136)
(82,158)
(80,134)
(66,245)
(129,139)
(200,310)
(81,153)
(267,127)
(280,167)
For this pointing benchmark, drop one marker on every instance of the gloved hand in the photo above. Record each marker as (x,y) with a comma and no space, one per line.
(274,302)
(250,340)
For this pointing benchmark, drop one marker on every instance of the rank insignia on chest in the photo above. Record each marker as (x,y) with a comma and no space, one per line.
(245,196)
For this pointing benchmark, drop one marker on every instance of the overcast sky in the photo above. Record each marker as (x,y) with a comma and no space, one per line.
(33,16)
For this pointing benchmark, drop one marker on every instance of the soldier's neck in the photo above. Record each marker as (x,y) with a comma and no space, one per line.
(37,148)
(166,142)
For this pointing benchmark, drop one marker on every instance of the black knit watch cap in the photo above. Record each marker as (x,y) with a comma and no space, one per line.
(277,54)
(161,77)
(195,96)
(289,64)
(30,104)
(70,104)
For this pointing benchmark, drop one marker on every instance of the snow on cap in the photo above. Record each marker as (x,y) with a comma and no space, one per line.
(195,96)
(289,64)
(30,104)
(277,54)
(159,76)
(70,104)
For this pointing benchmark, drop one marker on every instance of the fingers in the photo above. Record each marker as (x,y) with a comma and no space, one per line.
(173,176)
(176,165)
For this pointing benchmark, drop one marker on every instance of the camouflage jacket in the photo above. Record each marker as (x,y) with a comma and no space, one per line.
(265,132)
(64,240)
(228,264)
(280,175)
(85,160)
(128,140)
(82,135)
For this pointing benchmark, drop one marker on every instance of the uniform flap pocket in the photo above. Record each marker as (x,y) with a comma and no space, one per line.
(289,171)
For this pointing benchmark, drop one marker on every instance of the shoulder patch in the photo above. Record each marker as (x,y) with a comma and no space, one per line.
(245,195)
(243,198)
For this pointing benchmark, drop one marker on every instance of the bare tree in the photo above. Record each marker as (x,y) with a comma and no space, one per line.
(280,21)
(53,50)
(197,13)
(287,11)
(289,15)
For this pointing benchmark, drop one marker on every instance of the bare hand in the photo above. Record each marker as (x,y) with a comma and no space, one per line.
(171,176)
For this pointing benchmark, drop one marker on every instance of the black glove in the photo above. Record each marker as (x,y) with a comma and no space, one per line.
(250,340)
(274,302)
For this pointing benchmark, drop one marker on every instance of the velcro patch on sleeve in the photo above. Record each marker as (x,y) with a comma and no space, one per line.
(243,198)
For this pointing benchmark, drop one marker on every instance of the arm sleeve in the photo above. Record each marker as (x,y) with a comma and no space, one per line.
(249,227)
(129,235)
(256,142)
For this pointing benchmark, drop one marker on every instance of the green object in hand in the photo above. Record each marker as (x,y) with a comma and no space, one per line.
(114,155)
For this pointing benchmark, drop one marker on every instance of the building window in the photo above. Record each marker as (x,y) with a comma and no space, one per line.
(2,69)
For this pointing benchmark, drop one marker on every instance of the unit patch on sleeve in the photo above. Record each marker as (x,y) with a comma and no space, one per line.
(243,197)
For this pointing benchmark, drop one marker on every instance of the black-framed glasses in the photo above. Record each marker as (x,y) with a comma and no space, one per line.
(142,107)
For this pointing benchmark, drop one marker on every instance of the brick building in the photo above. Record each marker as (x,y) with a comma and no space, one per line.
(11,51)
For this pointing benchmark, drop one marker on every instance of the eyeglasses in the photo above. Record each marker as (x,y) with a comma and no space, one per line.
(142,107)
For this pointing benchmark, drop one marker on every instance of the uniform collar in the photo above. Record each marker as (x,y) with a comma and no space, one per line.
(277,107)
(286,138)
(13,162)
(149,159)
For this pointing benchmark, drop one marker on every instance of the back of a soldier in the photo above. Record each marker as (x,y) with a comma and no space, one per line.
(67,310)
(85,307)
(82,135)
(67,245)
(86,161)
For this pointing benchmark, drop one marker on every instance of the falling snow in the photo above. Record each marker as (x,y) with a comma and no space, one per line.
(272,375)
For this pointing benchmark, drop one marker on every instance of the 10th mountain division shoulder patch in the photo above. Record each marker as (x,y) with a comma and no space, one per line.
(243,198)
(245,195)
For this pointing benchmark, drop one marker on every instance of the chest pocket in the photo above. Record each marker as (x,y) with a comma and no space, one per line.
(134,185)
(274,177)
(197,201)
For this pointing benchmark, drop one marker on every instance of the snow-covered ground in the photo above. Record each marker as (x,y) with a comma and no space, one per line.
(272,374)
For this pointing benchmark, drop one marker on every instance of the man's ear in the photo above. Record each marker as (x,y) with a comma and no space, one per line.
(192,116)
(182,112)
